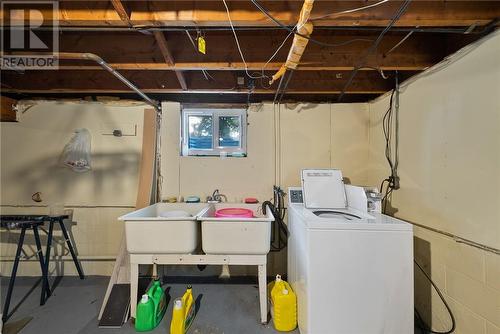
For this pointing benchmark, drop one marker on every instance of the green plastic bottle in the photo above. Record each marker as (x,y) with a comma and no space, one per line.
(151,308)
(145,314)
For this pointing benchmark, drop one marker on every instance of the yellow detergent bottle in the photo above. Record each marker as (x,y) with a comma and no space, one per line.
(183,313)
(283,305)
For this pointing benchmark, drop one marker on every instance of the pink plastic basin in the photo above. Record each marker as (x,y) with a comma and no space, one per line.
(234,213)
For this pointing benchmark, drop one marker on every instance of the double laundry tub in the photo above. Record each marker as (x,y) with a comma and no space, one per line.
(180,228)
(191,234)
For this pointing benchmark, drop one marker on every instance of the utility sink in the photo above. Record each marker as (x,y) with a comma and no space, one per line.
(164,228)
(249,236)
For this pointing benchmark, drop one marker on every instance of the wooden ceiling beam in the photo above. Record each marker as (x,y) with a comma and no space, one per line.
(159,37)
(369,82)
(137,51)
(193,97)
(181,91)
(237,66)
(169,60)
(122,12)
(212,13)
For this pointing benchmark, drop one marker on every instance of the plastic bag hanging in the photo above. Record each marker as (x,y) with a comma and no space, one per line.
(76,153)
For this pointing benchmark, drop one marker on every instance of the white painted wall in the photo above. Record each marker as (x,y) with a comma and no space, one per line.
(303,135)
(324,136)
(281,141)
(293,137)
(450,180)
(235,177)
(30,150)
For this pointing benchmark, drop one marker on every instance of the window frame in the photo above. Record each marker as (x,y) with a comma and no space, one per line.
(216,150)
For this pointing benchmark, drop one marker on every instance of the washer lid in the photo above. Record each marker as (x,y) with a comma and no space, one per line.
(335,214)
(323,189)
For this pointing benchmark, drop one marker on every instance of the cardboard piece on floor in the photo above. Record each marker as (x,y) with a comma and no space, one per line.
(116,310)
(121,270)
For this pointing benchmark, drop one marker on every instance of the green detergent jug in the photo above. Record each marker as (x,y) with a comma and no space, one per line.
(151,308)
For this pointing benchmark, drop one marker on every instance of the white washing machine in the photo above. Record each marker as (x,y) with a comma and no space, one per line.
(352,270)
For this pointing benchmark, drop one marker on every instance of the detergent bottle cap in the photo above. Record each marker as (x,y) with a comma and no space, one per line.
(285,291)
(144,299)
(178,303)
(278,278)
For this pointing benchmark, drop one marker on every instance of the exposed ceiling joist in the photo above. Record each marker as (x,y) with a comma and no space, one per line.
(163,63)
(169,60)
(239,66)
(133,50)
(369,82)
(159,37)
(122,12)
(188,97)
(212,13)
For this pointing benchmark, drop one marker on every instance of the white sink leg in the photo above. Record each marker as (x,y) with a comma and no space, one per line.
(134,286)
(263,293)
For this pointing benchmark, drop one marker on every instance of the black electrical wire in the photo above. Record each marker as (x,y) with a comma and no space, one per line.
(286,85)
(421,323)
(279,231)
(374,46)
(292,30)
(279,88)
(387,128)
(392,183)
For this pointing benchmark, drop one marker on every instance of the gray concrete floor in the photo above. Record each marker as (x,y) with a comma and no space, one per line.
(231,307)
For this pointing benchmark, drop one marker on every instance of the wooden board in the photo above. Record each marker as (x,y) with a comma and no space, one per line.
(121,269)
(147,164)
(244,13)
(8,114)
(166,82)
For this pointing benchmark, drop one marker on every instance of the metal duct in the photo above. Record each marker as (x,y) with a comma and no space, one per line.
(107,67)
(304,28)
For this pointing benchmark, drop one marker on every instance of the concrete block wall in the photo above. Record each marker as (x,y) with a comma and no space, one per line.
(468,278)
(450,181)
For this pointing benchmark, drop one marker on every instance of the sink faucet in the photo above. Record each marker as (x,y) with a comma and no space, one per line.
(216,197)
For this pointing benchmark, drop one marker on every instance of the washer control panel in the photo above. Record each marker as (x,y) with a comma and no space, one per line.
(295,195)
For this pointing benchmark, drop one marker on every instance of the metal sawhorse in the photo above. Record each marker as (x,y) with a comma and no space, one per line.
(33,222)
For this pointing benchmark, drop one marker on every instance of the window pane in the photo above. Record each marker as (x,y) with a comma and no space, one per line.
(200,132)
(229,131)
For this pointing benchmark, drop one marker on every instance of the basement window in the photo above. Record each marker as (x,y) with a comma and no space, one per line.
(214,132)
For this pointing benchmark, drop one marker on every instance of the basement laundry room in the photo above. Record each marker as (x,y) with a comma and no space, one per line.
(250,166)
